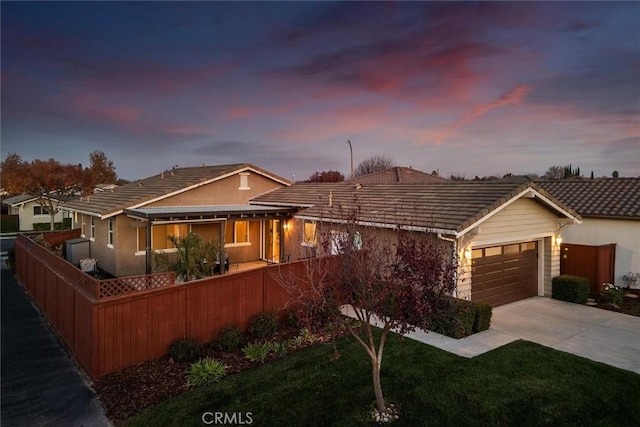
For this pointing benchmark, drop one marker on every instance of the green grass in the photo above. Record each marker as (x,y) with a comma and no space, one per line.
(519,384)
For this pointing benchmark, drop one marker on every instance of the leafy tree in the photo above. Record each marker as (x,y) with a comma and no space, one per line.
(13,174)
(326,176)
(390,282)
(195,258)
(615,174)
(52,183)
(373,164)
(101,169)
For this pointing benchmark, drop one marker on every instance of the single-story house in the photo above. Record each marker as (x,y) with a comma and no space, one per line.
(504,233)
(610,208)
(125,225)
(31,212)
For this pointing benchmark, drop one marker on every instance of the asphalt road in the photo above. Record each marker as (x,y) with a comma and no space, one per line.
(40,385)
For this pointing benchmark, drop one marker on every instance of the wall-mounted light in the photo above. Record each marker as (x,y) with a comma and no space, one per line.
(285,225)
(559,240)
(467,253)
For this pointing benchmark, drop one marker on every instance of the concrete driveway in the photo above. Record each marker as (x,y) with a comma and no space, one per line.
(589,332)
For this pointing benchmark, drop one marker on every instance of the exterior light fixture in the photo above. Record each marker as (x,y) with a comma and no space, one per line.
(559,240)
(285,225)
(467,253)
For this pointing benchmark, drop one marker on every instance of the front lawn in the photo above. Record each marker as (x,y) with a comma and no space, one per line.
(518,384)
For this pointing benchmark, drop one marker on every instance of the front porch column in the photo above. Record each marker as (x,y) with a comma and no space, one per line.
(148,250)
(221,255)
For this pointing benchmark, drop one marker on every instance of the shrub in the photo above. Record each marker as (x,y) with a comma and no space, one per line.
(612,295)
(257,352)
(263,325)
(184,350)
(229,339)
(292,319)
(9,223)
(483,317)
(206,371)
(570,288)
(304,337)
(280,348)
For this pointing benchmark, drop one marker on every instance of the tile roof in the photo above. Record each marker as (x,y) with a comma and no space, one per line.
(137,193)
(398,175)
(600,197)
(16,200)
(450,206)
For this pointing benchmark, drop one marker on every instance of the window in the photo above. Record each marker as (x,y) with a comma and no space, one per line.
(309,230)
(93,230)
(111,233)
(339,241)
(160,235)
(83,230)
(40,210)
(244,181)
(237,232)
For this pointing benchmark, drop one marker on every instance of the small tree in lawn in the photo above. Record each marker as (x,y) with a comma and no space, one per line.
(393,282)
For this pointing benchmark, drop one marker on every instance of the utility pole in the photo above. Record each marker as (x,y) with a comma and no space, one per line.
(351,151)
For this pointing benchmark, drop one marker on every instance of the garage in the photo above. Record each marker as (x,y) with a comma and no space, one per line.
(504,274)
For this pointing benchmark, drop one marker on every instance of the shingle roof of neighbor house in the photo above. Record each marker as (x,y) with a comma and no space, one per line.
(600,197)
(449,206)
(165,184)
(398,175)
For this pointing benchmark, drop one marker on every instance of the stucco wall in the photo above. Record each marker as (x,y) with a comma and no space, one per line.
(624,233)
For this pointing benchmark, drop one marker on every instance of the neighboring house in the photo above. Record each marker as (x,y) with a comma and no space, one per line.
(611,211)
(31,212)
(127,224)
(398,175)
(503,232)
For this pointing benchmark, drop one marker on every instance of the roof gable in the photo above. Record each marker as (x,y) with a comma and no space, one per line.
(166,184)
(448,207)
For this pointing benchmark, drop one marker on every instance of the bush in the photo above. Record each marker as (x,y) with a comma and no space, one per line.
(9,223)
(280,348)
(570,288)
(263,325)
(206,371)
(257,352)
(612,295)
(292,319)
(459,318)
(229,339)
(184,350)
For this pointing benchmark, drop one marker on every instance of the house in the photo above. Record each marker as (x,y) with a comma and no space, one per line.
(31,212)
(127,224)
(610,208)
(503,233)
(398,175)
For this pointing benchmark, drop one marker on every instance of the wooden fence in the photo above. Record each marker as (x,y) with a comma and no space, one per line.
(596,263)
(109,334)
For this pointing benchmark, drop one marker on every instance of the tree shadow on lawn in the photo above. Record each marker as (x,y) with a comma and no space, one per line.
(521,383)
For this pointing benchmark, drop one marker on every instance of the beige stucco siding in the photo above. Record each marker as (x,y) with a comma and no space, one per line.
(523,220)
(223,192)
(624,233)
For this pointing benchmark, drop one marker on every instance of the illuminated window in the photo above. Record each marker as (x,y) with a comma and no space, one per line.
(160,235)
(237,232)
(496,250)
(512,249)
(309,237)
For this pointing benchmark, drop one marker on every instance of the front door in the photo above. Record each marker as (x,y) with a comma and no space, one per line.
(273,241)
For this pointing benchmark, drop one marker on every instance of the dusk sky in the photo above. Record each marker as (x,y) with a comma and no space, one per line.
(463,88)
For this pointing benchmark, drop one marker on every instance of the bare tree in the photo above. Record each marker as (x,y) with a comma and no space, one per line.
(373,164)
(391,281)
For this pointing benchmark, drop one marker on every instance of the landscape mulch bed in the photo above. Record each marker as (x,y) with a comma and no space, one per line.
(129,391)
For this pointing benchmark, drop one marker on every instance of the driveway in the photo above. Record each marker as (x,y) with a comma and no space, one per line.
(593,333)
(41,386)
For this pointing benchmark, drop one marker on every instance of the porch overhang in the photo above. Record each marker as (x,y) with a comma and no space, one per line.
(212,213)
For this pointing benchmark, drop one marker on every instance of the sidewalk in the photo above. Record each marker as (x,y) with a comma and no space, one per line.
(41,386)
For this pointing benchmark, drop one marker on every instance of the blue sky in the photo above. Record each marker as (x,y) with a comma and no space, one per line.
(463,88)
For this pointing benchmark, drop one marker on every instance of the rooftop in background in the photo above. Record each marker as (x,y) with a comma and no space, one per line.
(600,197)
(398,175)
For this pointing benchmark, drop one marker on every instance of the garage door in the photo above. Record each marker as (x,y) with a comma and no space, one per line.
(504,274)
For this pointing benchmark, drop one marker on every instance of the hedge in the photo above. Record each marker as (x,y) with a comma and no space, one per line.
(460,318)
(10,223)
(570,288)
(46,226)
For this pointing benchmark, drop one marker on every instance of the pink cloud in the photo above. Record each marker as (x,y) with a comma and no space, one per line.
(515,96)
(250,111)
(94,107)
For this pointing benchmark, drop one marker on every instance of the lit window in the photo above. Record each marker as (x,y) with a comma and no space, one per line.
(237,232)
(309,237)
(496,250)
(160,235)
